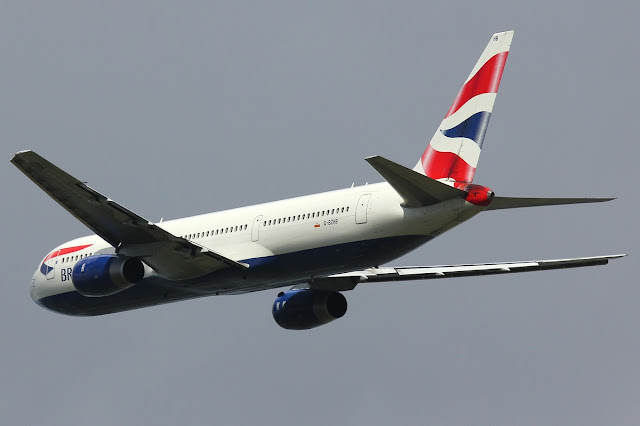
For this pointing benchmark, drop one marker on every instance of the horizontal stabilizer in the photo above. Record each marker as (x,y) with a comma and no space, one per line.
(417,190)
(499,203)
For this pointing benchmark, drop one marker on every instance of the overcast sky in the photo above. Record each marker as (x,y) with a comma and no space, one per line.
(181,108)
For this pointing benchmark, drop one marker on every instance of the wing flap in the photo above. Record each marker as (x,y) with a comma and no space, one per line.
(131,234)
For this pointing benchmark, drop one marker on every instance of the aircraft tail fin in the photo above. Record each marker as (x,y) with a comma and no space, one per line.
(453,152)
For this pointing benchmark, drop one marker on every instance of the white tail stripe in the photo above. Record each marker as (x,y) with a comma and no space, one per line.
(466,149)
(503,44)
(483,102)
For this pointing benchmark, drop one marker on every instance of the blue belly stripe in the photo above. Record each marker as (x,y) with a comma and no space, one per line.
(264,273)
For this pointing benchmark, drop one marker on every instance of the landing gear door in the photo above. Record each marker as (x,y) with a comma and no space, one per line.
(255,230)
(362,207)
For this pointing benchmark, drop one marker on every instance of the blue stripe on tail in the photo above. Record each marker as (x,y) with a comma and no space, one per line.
(472,128)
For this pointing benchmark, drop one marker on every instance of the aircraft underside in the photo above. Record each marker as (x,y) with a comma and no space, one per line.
(263,274)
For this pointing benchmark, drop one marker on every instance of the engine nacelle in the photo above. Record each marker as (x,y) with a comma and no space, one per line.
(106,274)
(304,309)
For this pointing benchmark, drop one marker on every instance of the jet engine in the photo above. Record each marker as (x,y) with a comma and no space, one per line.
(107,274)
(305,309)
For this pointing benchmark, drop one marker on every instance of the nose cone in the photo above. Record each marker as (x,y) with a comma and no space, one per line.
(32,289)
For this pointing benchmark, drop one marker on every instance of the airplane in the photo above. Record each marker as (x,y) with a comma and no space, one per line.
(319,245)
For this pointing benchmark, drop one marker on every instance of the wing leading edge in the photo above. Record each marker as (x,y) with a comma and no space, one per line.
(349,280)
(131,234)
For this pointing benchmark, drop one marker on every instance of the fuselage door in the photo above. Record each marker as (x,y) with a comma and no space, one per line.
(255,231)
(362,207)
(51,270)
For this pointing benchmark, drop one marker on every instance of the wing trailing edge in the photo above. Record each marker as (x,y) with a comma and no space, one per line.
(349,280)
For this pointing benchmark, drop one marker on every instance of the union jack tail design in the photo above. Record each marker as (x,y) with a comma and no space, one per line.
(453,153)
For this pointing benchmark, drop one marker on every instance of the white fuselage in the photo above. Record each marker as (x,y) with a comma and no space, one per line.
(284,243)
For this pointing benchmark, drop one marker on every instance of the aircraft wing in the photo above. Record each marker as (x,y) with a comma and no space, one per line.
(131,235)
(349,280)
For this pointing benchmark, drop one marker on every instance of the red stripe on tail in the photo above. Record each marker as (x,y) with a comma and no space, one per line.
(438,165)
(486,80)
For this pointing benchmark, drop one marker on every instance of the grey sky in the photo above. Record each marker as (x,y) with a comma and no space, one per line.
(180,108)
